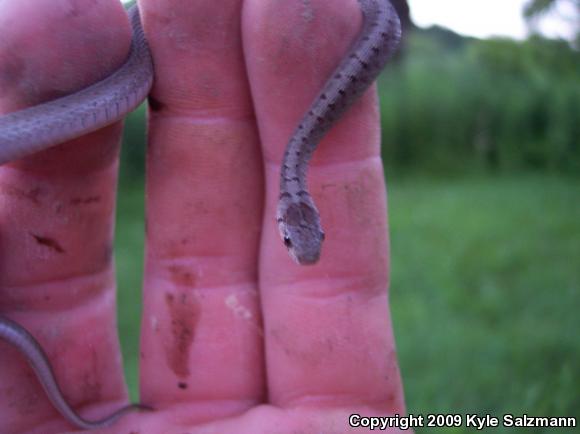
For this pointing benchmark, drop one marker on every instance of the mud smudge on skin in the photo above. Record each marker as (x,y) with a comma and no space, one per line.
(90,385)
(85,200)
(182,276)
(31,195)
(155,105)
(49,242)
(183,314)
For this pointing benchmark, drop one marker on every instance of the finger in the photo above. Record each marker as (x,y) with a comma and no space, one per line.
(328,333)
(56,214)
(201,341)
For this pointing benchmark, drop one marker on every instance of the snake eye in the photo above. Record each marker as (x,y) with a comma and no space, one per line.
(287,241)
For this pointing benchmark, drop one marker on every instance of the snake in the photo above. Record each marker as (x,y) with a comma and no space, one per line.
(297,216)
(34,129)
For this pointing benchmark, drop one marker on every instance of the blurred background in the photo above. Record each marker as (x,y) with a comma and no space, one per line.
(481,127)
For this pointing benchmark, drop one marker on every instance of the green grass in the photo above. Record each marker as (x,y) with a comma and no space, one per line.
(485,292)
(129,262)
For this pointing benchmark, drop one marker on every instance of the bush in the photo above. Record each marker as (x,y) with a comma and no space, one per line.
(495,104)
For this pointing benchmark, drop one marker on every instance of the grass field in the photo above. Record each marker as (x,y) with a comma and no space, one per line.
(485,292)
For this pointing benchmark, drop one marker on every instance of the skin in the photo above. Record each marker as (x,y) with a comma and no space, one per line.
(215,358)
(31,130)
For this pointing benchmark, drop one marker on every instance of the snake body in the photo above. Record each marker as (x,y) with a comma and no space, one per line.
(297,216)
(20,338)
(37,128)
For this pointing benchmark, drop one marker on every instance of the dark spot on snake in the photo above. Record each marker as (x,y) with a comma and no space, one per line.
(308,213)
(287,242)
(353,79)
(322,235)
(182,385)
(364,64)
(339,75)
(332,106)
(341,91)
(298,153)
(375,50)
(295,179)
(319,118)
(323,96)
(384,34)
(303,193)
(366,38)
(285,194)
(48,242)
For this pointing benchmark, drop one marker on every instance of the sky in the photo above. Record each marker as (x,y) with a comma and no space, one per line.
(484,18)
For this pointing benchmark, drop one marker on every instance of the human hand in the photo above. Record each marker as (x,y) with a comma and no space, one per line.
(236,338)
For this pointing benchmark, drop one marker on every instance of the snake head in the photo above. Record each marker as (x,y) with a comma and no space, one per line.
(299,226)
